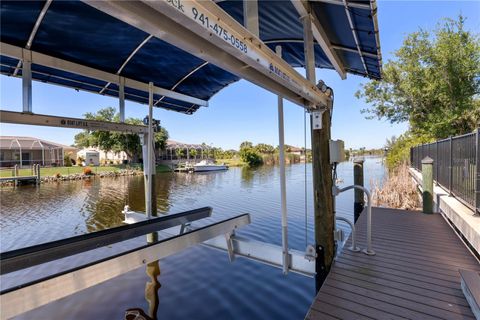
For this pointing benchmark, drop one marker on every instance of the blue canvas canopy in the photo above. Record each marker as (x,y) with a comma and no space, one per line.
(76,32)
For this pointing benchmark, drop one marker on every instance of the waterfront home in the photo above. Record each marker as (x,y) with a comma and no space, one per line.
(26,151)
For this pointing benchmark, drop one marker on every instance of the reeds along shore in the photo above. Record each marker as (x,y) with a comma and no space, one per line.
(397,190)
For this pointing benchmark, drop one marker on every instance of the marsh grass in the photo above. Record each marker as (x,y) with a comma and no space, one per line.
(397,190)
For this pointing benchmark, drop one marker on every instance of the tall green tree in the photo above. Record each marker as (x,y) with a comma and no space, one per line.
(249,155)
(264,148)
(117,141)
(433,82)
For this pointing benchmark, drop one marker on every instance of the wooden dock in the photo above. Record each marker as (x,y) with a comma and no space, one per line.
(20,179)
(414,274)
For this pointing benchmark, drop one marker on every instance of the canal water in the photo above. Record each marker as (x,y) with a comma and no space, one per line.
(198,283)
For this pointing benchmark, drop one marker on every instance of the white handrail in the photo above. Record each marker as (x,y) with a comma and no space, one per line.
(354,247)
(336,191)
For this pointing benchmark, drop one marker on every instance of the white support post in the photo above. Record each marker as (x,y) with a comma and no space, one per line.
(121,99)
(27,81)
(318,32)
(146,173)
(147,155)
(250,16)
(21,162)
(283,183)
(309,48)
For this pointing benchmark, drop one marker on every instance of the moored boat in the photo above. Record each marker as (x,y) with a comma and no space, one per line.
(206,165)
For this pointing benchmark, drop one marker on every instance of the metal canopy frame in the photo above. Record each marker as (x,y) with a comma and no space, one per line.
(245,56)
(32,295)
(65,122)
(303,9)
(57,63)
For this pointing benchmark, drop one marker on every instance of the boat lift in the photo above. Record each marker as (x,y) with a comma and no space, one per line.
(236,49)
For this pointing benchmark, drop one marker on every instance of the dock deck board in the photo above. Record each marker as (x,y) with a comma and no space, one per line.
(414,274)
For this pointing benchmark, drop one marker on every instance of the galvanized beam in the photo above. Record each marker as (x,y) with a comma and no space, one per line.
(203,64)
(333,46)
(15,301)
(355,36)
(34,32)
(265,253)
(64,122)
(30,256)
(27,81)
(121,99)
(250,16)
(303,9)
(60,64)
(203,29)
(124,64)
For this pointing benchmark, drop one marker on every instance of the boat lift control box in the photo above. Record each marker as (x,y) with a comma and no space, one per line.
(337,151)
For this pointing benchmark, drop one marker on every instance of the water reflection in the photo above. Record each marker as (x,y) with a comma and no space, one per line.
(194,278)
(152,287)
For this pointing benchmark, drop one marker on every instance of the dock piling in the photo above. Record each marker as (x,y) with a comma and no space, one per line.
(427,184)
(359,203)
(38,174)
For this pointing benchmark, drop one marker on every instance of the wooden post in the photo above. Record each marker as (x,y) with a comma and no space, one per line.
(323,200)
(38,174)
(151,288)
(324,219)
(359,202)
(427,184)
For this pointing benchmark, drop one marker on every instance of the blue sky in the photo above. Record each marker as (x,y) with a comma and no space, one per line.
(244,111)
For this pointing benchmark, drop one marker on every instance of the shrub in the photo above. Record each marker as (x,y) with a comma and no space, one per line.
(87,171)
(399,149)
(251,157)
(67,161)
(79,161)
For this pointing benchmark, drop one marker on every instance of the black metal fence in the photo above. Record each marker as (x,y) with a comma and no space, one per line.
(456,165)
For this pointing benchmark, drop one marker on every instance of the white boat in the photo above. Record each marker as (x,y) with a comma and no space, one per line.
(206,165)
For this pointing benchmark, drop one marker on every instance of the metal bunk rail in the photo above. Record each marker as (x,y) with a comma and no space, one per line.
(25,297)
(30,256)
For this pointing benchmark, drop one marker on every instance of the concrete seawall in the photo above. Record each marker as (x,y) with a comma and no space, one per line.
(461,216)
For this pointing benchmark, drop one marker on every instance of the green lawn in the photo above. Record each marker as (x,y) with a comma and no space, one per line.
(231,162)
(161,168)
(52,171)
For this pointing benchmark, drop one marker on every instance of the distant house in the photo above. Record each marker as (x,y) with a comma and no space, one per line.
(178,151)
(295,150)
(91,157)
(115,157)
(26,151)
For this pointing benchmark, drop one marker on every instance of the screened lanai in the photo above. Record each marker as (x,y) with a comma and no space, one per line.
(27,151)
(178,151)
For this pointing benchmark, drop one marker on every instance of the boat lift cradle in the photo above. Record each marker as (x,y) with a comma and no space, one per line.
(25,297)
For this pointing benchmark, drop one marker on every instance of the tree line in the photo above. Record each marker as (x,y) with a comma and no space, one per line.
(116,141)
(433,83)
